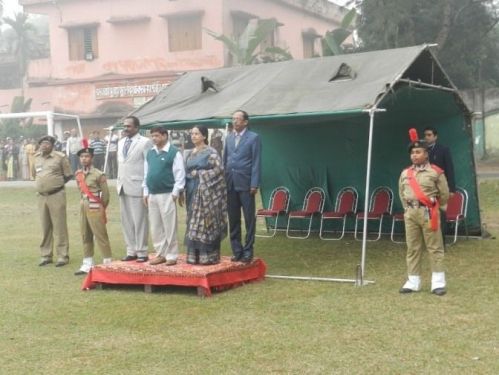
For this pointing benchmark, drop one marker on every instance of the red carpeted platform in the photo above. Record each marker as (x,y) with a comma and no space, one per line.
(220,276)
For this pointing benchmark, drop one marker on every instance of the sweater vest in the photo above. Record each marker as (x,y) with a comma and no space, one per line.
(160,178)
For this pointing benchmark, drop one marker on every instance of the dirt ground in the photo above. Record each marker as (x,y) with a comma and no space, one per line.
(489,165)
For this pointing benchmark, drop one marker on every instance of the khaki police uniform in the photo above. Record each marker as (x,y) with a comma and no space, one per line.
(92,214)
(417,219)
(51,172)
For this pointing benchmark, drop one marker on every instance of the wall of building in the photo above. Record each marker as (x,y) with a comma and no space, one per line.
(486,134)
(134,59)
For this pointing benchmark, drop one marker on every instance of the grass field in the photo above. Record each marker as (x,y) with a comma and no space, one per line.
(49,326)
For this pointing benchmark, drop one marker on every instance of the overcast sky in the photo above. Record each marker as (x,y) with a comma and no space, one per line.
(10,7)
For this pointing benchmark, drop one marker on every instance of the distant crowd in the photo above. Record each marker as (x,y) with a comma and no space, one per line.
(17,155)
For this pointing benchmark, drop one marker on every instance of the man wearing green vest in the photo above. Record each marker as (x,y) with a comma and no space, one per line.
(164,180)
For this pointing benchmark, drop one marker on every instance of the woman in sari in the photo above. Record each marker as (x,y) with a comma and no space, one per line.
(206,201)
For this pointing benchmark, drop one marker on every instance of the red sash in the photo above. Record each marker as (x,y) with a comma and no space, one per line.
(80,177)
(433,207)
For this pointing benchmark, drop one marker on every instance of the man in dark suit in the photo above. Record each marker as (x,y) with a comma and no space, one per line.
(242,155)
(440,156)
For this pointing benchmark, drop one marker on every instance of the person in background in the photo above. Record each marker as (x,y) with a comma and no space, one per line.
(30,152)
(94,200)
(440,156)
(73,146)
(58,144)
(206,203)
(216,141)
(164,180)
(99,147)
(51,171)
(23,160)
(64,142)
(112,155)
(11,159)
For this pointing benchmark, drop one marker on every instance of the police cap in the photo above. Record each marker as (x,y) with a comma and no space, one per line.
(417,144)
(47,138)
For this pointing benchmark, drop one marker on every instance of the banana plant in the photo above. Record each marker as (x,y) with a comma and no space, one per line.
(244,49)
(332,41)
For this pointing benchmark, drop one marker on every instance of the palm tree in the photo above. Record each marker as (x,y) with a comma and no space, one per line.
(244,49)
(23,42)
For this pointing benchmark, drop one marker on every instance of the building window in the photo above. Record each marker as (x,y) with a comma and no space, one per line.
(83,43)
(184,33)
(239,24)
(308,46)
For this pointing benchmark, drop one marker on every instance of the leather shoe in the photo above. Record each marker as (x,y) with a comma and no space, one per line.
(142,259)
(129,258)
(80,272)
(61,263)
(157,260)
(406,290)
(45,262)
(439,291)
(247,259)
(236,258)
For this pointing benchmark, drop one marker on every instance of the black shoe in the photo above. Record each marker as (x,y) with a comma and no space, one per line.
(80,272)
(405,290)
(61,263)
(439,291)
(129,258)
(45,262)
(236,258)
(247,259)
(142,259)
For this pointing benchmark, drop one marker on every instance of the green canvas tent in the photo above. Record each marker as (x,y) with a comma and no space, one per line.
(320,119)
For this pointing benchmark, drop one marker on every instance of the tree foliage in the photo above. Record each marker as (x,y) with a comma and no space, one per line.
(245,49)
(333,39)
(465,31)
(20,127)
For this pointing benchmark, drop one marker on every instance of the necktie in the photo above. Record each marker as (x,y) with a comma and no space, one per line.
(238,138)
(126,146)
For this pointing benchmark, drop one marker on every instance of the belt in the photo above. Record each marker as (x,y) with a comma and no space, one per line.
(52,191)
(415,204)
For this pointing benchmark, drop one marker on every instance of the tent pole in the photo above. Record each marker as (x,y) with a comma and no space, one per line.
(50,123)
(371,112)
(110,134)
(308,278)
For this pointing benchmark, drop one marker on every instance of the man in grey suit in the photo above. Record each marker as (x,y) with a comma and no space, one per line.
(242,155)
(132,151)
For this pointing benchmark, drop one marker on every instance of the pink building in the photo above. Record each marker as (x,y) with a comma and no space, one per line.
(110,56)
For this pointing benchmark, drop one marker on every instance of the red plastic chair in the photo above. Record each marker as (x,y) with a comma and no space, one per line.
(380,204)
(278,206)
(396,218)
(312,204)
(346,204)
(457,208)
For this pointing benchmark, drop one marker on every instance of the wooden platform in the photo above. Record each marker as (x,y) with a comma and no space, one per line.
(224,275)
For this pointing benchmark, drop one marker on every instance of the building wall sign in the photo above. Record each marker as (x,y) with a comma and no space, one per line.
(129,90)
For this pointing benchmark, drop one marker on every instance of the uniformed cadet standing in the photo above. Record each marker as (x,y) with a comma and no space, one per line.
(423,191)
(94,200)
(51,170)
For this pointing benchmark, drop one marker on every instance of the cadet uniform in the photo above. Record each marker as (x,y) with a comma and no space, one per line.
(421,219)
(51,172)
(94,200)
